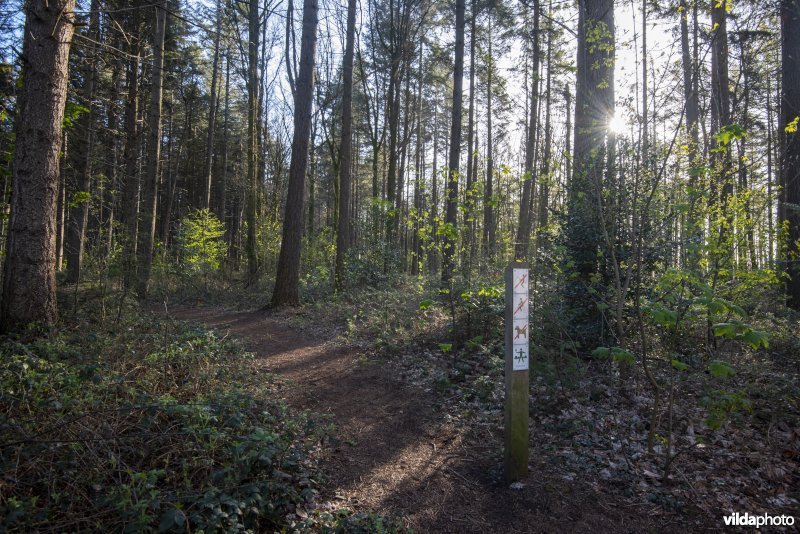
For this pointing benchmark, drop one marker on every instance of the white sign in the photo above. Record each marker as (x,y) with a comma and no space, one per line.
(519,331)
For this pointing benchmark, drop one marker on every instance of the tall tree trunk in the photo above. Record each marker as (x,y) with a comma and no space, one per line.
(521,247)
(722,181)
(345,148)
(287,276)
(594,108)
(29,281)
(79,212)
(251,189)
(471,198)
(112,162)
(130,197)
(222,185)
(790,164)
(61,206)
(147,229)
(212,113)
(433,242)
(450,219)
(488,190)
(544,175)
(690,95)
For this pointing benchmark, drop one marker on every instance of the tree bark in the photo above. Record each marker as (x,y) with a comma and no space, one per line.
(345,148)
(251,189)
(488,190)
(287,277)
(521,247)
(79,212)
(147,229)
(790,163)
(212,113)
(450,237)
(594,108)
(29,282)
(690,95)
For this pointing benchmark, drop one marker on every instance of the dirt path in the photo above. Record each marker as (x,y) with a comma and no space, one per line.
(394,454)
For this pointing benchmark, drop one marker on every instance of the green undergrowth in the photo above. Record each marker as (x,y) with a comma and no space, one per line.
(150,425)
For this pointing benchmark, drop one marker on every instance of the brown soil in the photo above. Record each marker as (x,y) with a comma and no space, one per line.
(394,454)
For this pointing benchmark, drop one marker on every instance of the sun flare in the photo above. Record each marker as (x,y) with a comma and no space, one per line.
(617,125)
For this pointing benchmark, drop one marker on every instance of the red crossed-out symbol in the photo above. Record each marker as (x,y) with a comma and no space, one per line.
(522,302)
(521,331)
(521,281)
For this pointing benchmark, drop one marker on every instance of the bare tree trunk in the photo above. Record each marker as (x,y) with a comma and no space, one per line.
(594,107)
(488,190)
(287,277)
(130,197)
(721,110)
(223,183)
(62,206)
(79,212)
(790,164)
(450,218)
(690,95)
(251,190)
(521,247)
(29,281)
(212,112)
(345,148)
(544,175)
(150,187)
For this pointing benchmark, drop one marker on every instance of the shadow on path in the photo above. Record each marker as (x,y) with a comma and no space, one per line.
(395,455)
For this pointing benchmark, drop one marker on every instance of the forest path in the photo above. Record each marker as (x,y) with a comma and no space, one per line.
(393,452)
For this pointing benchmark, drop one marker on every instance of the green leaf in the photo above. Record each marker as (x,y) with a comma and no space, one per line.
(425,304)
(78,198)
(445,347)
(662,316)
(620,355)
(720,369)
(679,365)
(756,339)
(726,330)
(170,519)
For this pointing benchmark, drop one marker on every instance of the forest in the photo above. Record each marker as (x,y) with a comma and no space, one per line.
(254,253)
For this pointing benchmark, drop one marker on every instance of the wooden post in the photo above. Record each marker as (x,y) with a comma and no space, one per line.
(517,347)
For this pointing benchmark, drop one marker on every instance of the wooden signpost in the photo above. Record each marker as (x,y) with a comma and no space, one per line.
(517,350)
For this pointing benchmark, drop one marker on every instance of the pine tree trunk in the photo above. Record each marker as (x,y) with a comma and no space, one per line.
(287,277)
(594,108)
(79,212)
(252,141)
(790,164)
(345,148)
(488,190)
(450,218)
(521,247)
(212,112)
(147,229)
(29,282)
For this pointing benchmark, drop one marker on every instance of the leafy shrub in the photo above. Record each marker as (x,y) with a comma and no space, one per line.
(149,427)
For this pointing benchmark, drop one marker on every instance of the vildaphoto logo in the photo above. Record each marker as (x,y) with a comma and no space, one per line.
(765,520)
